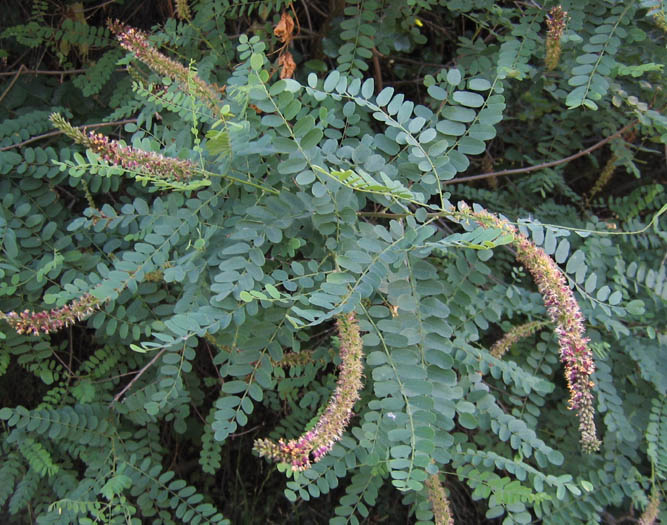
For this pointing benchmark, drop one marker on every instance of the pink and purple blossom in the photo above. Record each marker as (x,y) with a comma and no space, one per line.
(315,443)
(564,312)
(47,321)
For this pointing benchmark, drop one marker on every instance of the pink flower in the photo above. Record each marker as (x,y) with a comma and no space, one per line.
(36,323)
(147,162)
(564,312)
(314,444)
(137,43)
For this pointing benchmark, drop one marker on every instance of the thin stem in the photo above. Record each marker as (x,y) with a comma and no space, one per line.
(377,71)
(53,72)
(12,82)
(59,132)
(544,164)
(60,360)
(139,374)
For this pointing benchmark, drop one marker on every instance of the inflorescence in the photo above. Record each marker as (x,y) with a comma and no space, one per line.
(564,312)
(47,321)
(137,43)
(500,347)
(556,23)
(147,163)
(315,443)
(442,514)
(652,510)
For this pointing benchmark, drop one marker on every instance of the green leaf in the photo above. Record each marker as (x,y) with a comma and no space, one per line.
(273,292)
(576,262)
(615,298)
(471,146)
(479,84)
(437,92)
(634,307)
(400,451)
(454,77)
(468,421)
(303,126)
(312,138)
(562,251)
(494,512)
(256,61)
(449,127)
(469,99)
(576,97)
(332,81)
(9,244)
(367,88)
(290,166)
(591,283)
(603,293)
(459,114)
(384,96)
(234,387)
(245,296)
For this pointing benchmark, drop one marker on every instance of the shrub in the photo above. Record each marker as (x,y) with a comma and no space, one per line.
(291,224)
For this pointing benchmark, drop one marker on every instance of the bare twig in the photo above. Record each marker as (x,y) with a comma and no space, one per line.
(139,374)
(13,81)
(305,8)
(60,360)
(377,70)
(58,132)
(100,6)
(237,434)
(544,165)
(55,72)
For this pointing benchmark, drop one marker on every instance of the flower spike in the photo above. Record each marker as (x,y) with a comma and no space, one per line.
(137,42)
(564,312)
(47,321)
(314,444)
(152,164)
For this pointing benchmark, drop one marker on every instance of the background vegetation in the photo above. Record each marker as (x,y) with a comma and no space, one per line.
(169,299)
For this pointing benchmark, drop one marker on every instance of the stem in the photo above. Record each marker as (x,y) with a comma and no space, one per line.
(13,81)
(139,374)
(544,164)
(58,132)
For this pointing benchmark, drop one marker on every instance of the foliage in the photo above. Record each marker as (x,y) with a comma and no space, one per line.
(209,260)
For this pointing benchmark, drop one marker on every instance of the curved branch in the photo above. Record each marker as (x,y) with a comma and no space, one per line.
(55,72)
(544,164)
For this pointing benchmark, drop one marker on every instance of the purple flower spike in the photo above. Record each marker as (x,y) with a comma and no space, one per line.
(564,312)
(45,322)
(314,444)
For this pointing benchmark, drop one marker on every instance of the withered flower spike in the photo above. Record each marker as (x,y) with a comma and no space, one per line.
(652,510)
(442,514)
(287,65)
(284,30)
(556,22)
